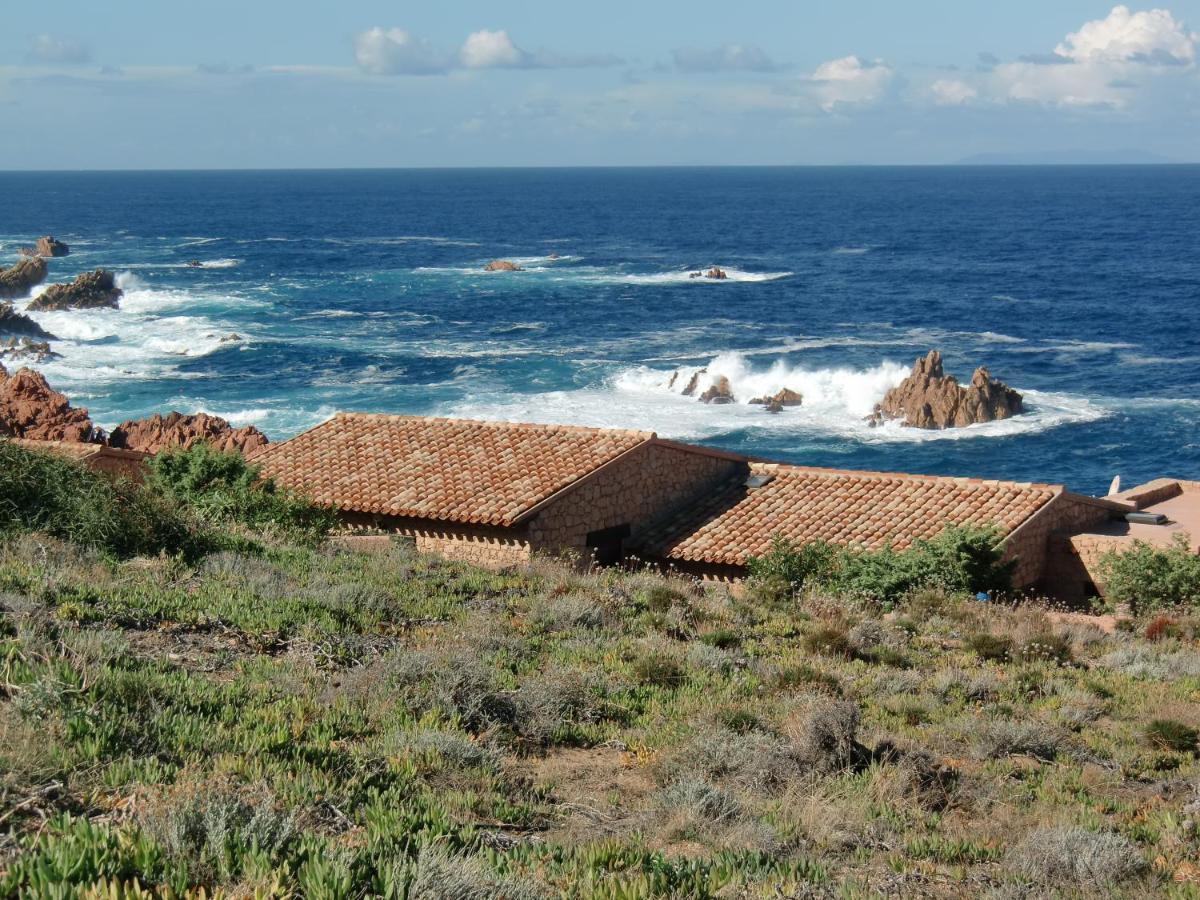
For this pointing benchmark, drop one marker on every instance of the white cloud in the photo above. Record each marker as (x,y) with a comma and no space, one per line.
(952,92)
(850,80)
(493,50)
(396,52)
(1147,37)
(727,58)
(49,49)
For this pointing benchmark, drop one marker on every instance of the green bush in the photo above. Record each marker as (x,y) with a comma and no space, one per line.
(1148,577)
(994,647)
(48,493)
(224,489)
(959,559)
(1167,734)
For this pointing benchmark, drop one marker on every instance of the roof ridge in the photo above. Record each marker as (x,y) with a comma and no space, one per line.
(909,476)
(494,423)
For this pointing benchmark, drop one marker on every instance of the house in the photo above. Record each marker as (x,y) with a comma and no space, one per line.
(110,460)
(1156,513)
(497,493)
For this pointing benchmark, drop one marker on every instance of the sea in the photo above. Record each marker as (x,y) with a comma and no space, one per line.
(319,291)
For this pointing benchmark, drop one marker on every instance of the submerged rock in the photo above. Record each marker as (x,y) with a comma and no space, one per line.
(928,398)
(19,324)
(23,277)
(27,349)
(91,290)
(30,408)
(719,392)
(501,265)
(175,429)
(777,401)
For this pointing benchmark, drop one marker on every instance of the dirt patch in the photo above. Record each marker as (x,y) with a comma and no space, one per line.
(597,792)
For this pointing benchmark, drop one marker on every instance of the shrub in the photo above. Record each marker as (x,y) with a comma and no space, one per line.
(1148,577)
(1045,646)
(825,736)
(1167,734)
(43,492)
(222,488)
(1162,627)
(1004,738)
(830,642)
(994,647)
(700,799)
(438,875)
(658,669)
(784,569)
(1076,855)
(749,759)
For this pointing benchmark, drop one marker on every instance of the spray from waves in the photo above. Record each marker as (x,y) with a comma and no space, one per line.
(198,264)
(560,270)
(836,401)
(687,276)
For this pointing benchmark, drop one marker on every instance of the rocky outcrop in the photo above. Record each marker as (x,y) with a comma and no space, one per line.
(19,324)
(47,246)
(501,265)
(14,349)
(778,401)
(719,392)
(30,408)
(928,398)
(20,279)
(178,430)
(91,290)
(716,273)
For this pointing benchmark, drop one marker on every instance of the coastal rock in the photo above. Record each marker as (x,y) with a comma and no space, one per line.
(689,389)
(25,349)
(175,429)
(777,401)
(29,408)
(928,398)
(19,324)
(719,392)
(501,265)
(51,246)
(716,273)
(91,290)
(20,279)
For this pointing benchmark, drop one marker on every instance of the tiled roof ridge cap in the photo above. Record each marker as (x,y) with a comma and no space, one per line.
(491,423)
(791,468)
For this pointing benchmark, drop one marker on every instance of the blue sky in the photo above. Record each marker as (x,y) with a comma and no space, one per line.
(261,83)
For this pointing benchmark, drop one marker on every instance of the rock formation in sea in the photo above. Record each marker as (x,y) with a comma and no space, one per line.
(501,265)
(19,324)
(719,392)
(928,398)
(15,349)
(780,399)
(175,429)
(91,290)
(20,279)
(30,408)
(47,246)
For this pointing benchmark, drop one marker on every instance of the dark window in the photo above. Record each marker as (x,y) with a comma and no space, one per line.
(607,546)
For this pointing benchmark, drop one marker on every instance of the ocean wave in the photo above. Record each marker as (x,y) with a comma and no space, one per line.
(732,276)
(850,251)
(836,402)
(604,274)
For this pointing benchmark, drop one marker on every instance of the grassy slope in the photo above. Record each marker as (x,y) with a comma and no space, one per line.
(319,723)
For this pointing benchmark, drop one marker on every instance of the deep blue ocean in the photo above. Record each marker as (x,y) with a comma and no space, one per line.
(363,290)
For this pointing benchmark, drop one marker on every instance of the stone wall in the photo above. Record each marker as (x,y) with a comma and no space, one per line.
(481,545)
(1029,544)
(118,465)
(648,483)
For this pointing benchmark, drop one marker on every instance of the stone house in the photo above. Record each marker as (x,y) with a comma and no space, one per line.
(497,493)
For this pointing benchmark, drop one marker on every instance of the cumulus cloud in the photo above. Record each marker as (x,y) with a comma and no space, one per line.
(394,51)
(49,49)
(850,81)
(727,58)
(1148,37)
(493,50)
(952,92)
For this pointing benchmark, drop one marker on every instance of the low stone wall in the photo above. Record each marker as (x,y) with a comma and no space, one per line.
(1029,544)
(489,548)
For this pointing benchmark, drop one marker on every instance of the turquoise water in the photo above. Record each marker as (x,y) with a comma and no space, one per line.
(364,290)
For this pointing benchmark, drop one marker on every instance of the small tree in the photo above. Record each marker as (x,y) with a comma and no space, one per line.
(1148,577)
(783,570)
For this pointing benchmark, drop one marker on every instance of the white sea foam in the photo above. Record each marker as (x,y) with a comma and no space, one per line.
(836,400)
(851,251)
(732,276)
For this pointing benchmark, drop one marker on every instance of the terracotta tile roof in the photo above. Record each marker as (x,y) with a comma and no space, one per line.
(456,470)
(864,509)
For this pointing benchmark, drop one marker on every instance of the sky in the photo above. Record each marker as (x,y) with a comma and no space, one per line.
(146,84)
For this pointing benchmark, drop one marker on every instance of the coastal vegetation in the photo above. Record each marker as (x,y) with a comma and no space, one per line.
(201,696)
